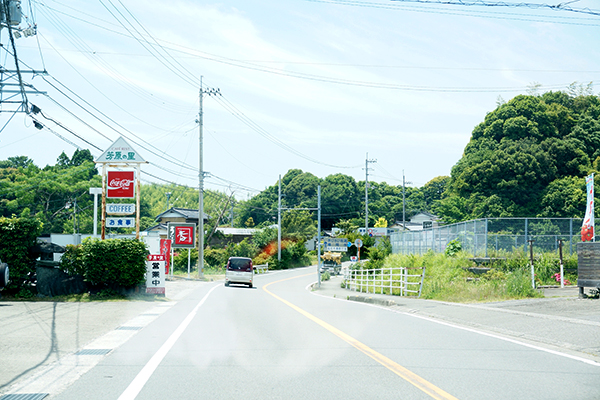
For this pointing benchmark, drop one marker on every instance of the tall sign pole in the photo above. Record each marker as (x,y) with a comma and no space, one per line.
(210,92)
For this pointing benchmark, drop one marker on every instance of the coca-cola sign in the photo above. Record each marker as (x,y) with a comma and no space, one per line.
(120,184)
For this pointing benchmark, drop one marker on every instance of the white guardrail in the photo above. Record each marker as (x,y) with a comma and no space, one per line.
(396,281)
(261,269)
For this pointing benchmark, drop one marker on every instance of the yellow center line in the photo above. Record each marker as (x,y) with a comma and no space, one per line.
(396,368)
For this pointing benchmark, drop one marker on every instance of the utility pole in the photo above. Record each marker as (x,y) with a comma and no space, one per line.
(319,235)
(209,92)
(367,161)
(168,194)
(13,89)
(279,222)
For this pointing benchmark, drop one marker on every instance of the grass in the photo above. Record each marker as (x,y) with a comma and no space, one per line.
(448,278)
(104,295)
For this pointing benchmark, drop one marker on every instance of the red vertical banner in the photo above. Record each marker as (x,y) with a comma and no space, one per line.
(587,229)
(165,249)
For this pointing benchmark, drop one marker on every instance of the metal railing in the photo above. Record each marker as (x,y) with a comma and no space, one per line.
(483,236)
(261,269)
(394,281)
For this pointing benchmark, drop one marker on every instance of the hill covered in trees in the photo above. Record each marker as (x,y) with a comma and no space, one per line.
(528,158)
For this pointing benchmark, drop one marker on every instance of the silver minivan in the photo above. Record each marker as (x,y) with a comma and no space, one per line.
(239,270)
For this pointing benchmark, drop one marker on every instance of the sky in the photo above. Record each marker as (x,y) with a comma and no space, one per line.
(316,85)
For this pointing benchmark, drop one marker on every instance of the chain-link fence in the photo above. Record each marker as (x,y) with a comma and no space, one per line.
(483,236)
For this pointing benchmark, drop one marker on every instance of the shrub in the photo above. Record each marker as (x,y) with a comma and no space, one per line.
(72,260)
(216,258)
(453,248)
(180,259)
(325,276)
(17,236)
(114,262)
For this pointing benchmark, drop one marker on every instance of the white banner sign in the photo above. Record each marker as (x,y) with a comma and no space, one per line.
(155,274)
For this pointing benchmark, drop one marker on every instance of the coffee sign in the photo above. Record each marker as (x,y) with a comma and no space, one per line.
(120,185)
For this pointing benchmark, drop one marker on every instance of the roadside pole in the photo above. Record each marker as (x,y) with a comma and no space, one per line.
(562,270)
(531,260)
(319,235)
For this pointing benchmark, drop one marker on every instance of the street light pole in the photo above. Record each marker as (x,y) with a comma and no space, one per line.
(95,192)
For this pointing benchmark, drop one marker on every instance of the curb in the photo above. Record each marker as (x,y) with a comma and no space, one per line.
(371,300)
(362,299)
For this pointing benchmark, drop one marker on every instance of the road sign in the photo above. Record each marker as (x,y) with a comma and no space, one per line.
(358,243)
(335,244)
(353,258)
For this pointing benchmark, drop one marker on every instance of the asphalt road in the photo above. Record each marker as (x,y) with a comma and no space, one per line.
(281,340)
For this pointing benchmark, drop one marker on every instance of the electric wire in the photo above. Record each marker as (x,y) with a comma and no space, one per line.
(106,67)
(469,13)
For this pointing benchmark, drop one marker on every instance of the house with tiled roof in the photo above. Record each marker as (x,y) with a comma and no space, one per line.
(175,215)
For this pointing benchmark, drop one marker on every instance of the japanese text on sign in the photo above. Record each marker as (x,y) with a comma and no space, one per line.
(120,222)
(155,274)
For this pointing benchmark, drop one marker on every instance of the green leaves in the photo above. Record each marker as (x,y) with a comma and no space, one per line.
(17,236)
(520,160)
(110,262)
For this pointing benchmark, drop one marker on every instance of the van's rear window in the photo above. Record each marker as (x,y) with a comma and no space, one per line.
(238,264)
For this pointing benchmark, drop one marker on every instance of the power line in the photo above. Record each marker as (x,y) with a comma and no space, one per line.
(558,7)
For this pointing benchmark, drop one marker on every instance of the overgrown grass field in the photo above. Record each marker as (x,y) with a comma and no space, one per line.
(456,278)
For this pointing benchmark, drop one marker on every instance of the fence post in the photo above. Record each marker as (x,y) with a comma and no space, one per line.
(526,228)
(571,237)
(422,279)
(486,237)
(531,258)
(560,256)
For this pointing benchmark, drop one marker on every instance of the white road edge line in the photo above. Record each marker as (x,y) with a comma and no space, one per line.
(464,328)
(142,377)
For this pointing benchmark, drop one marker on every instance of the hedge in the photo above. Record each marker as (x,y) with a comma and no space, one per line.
(17,237)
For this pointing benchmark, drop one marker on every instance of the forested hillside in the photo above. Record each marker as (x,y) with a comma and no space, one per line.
(58,195)
(342,199)
(529,158)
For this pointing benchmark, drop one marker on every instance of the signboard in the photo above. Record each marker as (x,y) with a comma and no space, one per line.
(165,249)
(353,258)
(377,232)
(120,152)
(120,222)
(120,185)
(120,209)
(182,235)
(155,274)
(335,244)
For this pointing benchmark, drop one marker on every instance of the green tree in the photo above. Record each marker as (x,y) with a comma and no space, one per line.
(298,225)
(381,223)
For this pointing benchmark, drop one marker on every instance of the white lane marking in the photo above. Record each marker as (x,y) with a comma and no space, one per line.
(532,346)
(142,377)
